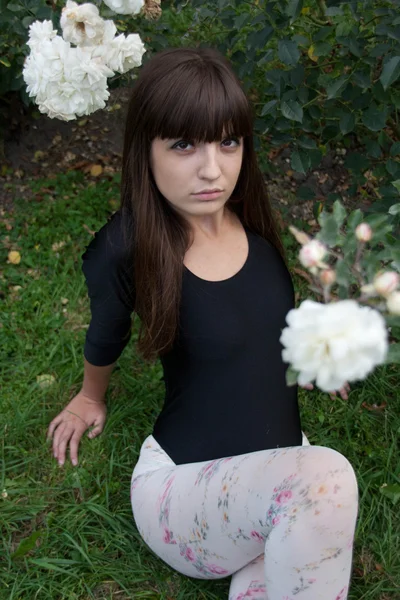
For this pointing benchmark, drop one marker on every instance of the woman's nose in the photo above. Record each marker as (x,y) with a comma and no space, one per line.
(209,162)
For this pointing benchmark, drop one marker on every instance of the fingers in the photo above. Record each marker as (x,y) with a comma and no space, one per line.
(308,386)
(58,419)
(343,392)
(97,429)
(62,444)
(56,438)
(73,447)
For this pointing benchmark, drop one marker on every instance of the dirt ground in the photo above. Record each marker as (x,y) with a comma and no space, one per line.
(35,146)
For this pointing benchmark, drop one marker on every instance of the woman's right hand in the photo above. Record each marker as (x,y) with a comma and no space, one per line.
(72,422)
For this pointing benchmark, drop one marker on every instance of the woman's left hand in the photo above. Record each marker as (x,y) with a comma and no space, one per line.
(343,391)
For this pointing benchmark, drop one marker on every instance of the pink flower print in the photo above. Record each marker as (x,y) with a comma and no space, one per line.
(165,493)
(216,569)
(190,555)
(350,542)
(312,580)
(257,536)
(342,594)
(168,537)
(284,497)
(276,520)
(255,591)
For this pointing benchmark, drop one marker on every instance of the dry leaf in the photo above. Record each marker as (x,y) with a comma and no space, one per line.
(57,246)
(374,407)
(45,380)
(14,257)
(39,155)
(69,156)
(96,170)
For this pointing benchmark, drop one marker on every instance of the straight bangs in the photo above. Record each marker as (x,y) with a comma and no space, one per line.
(200,105)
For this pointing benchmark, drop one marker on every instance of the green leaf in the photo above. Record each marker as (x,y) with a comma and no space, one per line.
(342,273)
(334,11)
(390,72)
(291,376)
(392,166)
(392,320)
(355,218)
(329,231)
(258,39)
(4,61)
(333,90)
(292,110)
(375,117)
(394,209)
(396,184)
(395,149)
(27,544)
(288,52)
(307,143)
(393,355)
(373,149)
(293,9)
(391,491)
(300,161)
(268,108)
(347,122)
(353,46)
(14,7)
(241,20)
(339,212)
(26,21)
(322,49)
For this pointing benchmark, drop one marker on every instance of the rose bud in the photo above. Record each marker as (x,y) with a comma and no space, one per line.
(312,253)
(363,232)
(385,283)
(328,276)
(393,303)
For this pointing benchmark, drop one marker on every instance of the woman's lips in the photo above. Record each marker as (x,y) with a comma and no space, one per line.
(208,195)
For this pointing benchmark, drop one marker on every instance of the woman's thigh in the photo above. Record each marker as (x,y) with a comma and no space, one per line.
(209,519)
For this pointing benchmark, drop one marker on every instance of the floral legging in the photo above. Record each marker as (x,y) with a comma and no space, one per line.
(280,521)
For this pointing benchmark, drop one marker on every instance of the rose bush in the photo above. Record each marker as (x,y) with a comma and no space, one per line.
(344,337)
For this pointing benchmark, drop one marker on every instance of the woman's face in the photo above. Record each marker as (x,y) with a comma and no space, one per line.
(196,178)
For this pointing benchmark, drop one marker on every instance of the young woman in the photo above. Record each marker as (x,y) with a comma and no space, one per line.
(224,485)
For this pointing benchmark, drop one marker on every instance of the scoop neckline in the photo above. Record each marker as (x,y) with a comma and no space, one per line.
(242,268)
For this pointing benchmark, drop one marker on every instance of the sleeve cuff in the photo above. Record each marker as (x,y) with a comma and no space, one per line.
(102,356)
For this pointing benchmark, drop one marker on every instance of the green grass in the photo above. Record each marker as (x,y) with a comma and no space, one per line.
(68,533)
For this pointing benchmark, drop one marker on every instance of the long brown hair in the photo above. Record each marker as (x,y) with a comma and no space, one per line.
(189,93)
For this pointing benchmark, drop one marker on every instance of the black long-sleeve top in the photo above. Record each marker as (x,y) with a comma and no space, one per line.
(226,392)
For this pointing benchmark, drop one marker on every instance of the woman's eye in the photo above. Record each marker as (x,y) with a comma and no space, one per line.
(182,145)
(232,142)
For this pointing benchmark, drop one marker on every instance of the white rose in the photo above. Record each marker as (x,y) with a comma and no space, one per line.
(386,283)
(312,254)
(82,24)
(66,82)
(121,53)
(363,232)
(334,343)
(125,7)
(39,32)
(393,303)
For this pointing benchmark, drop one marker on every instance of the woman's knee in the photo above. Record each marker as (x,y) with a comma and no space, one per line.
(332,471)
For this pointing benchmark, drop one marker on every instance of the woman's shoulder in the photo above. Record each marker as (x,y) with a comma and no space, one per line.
(113,241)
